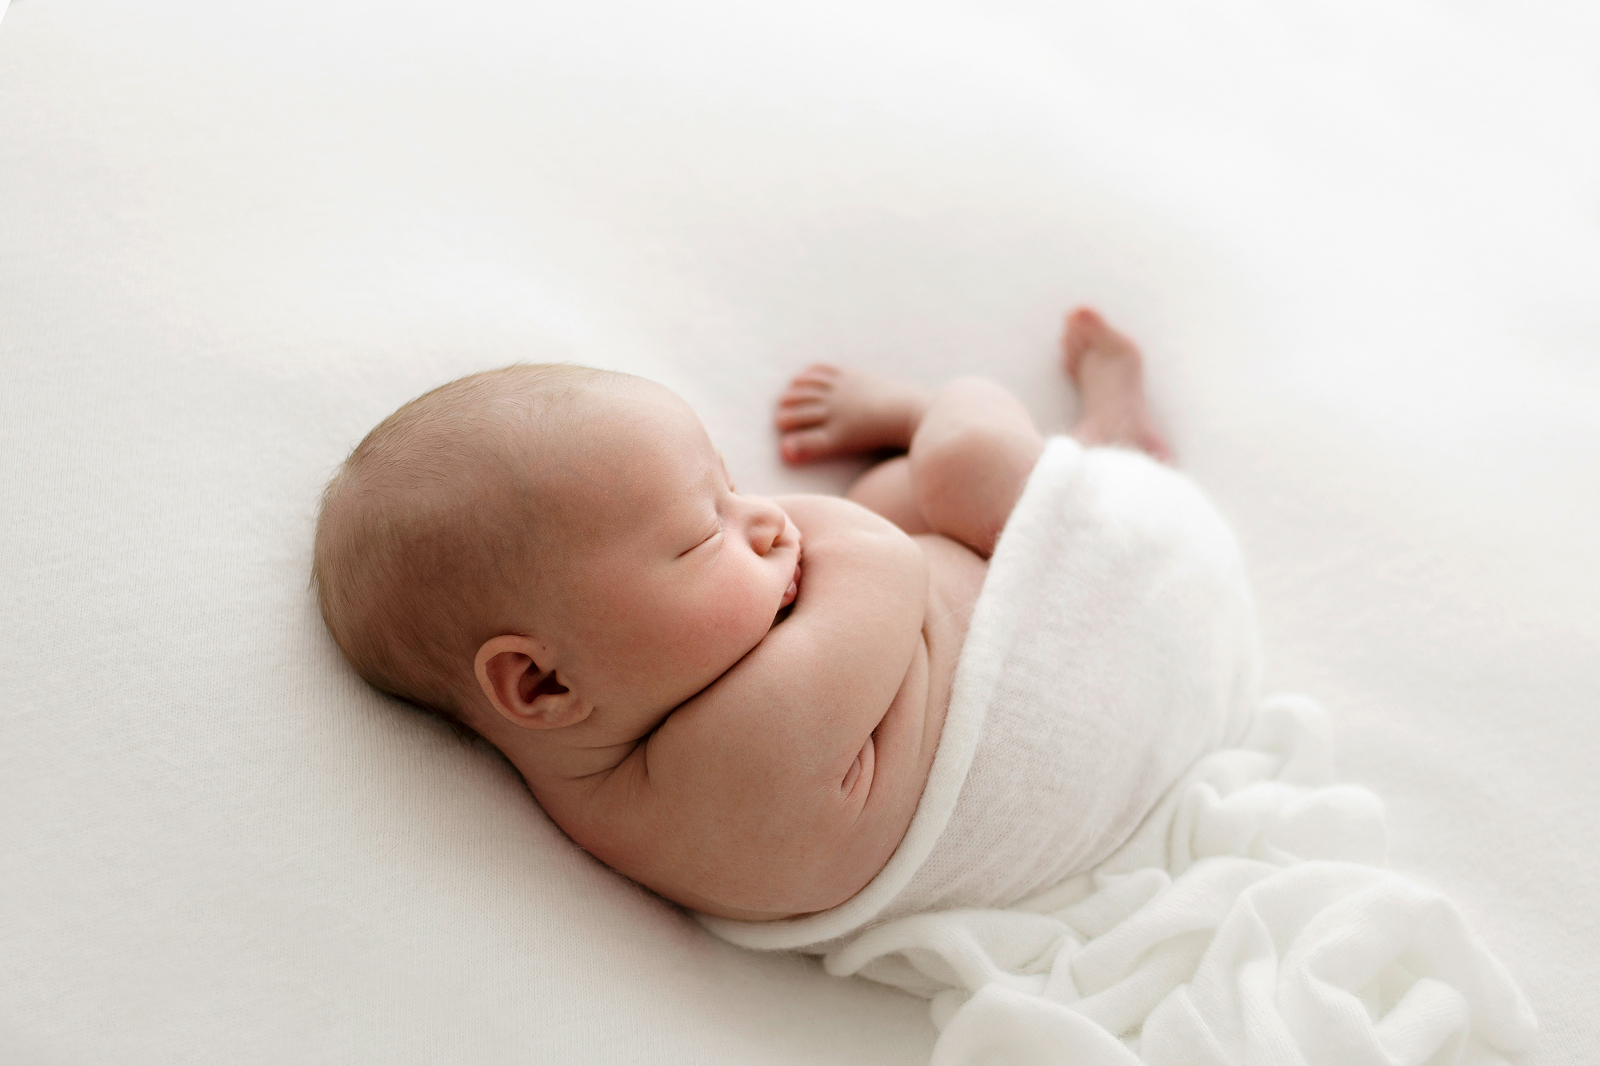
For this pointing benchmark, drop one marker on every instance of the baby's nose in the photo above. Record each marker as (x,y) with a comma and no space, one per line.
(766,523)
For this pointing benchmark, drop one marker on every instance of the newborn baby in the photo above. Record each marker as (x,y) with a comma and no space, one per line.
(735,701)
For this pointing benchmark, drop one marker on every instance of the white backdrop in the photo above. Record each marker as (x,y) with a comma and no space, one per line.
(1360,242)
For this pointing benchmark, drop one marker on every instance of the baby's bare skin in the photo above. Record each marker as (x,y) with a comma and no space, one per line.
(685,712)
(737,701)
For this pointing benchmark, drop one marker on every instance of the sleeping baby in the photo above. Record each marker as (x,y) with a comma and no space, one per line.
(966,680)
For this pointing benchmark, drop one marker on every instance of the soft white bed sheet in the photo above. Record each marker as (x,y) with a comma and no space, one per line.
(1361,243)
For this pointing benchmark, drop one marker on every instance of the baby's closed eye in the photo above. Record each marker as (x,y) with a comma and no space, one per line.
(706,538)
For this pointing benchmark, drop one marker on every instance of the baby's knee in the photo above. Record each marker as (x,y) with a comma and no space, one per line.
(966,480)
(976,398)
(972,426)
(966,453)
(969,459)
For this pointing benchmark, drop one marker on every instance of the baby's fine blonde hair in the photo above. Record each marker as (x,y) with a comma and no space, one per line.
(427,533)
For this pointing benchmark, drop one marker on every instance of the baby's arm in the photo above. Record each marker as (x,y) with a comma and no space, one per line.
(786,785)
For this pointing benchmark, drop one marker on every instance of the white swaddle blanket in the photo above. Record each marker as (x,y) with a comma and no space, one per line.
(1114,642)
(1118,856)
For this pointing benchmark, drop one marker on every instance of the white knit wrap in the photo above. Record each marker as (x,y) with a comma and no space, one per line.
(1113,644)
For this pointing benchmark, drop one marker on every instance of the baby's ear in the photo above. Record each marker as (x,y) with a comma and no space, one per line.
(517,675)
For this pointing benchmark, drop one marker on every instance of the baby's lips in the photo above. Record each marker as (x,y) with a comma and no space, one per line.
(793,590)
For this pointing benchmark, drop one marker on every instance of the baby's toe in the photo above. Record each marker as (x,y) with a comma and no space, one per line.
(816,376)
(1083,326)
(803,393)
(806,445)
(801,413)
(1085,318)
(1156,446)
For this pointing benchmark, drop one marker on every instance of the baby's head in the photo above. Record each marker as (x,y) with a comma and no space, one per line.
(523,546)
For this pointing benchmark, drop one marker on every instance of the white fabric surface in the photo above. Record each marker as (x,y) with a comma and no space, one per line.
(1108,684)
(1114,643)
(1248,922)
(1359,242)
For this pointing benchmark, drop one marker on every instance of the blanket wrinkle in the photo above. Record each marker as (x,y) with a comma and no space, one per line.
(1122,853)
(1248,922)
(1114,642)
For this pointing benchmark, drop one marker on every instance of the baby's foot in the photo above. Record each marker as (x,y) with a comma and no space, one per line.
(1109,373)
(827,412)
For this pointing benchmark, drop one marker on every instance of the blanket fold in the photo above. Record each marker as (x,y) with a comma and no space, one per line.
(1113,642)
(1122,855)
(1246,923)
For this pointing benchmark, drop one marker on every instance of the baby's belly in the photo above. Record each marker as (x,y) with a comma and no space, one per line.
(955,577)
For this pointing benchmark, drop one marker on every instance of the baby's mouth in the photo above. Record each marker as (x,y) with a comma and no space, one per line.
(793,590)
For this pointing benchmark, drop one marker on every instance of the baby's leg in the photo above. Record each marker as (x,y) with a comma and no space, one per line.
(971,445)
(969,459)
(1109,373)
(886,489)
(827,412)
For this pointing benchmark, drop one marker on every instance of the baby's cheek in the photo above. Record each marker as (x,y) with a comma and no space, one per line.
(734,622)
